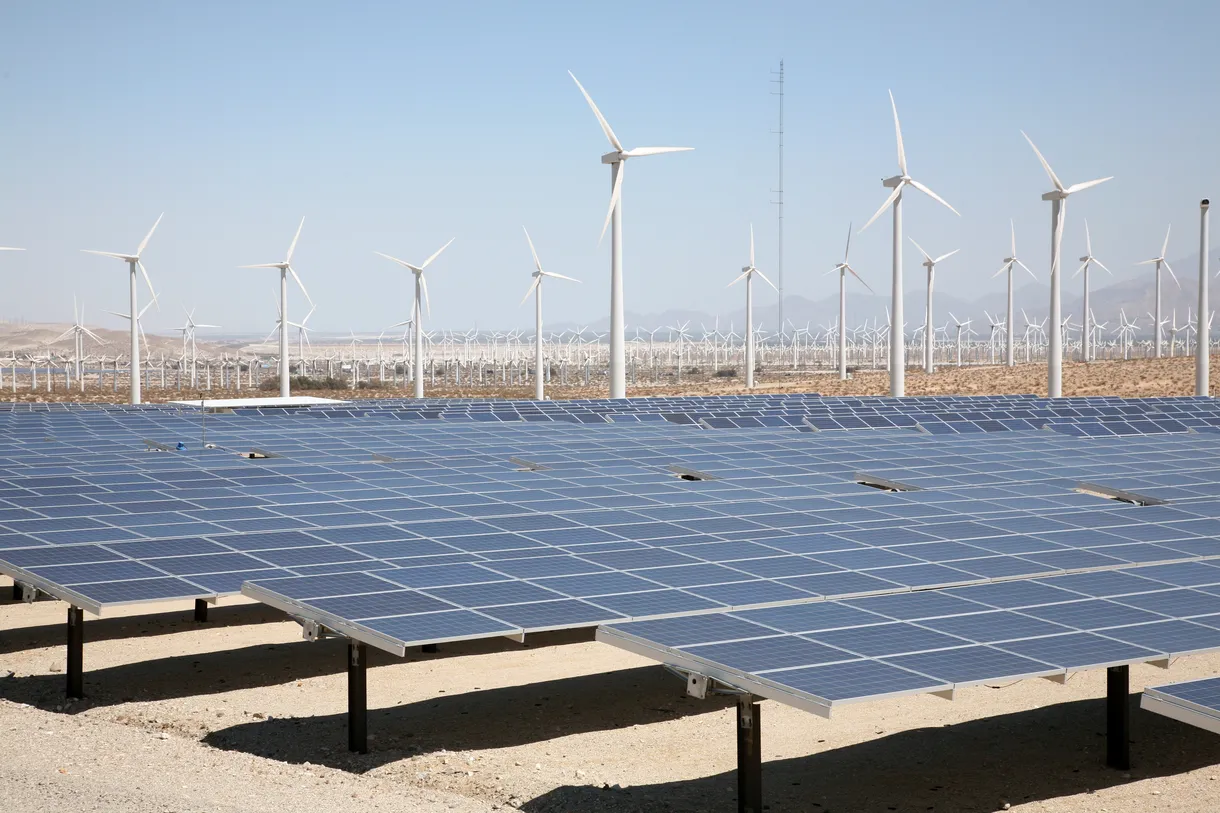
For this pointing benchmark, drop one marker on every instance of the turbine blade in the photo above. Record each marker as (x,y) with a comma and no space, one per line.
(862,282)
(106,254)
(945,257)
(403,263)
(764,277)
(640,152)
(744,274)
(1074,188)
(148,282)
(1175,276)
(1050,172)
(892,197)
(1026,267)
(293,246)
(261,265)
(428,261)
(558,276)
(1165,245)
(1012,227)
(614,142)
(921,251)
(423,284)
(902,153)
(537,262)
(1003,268)
(147,237)
(934,196)
(847,250)
(533,285)
(1088,242)
(6,248)
(751,245)
(300,284)
(614,196)
(1102,267)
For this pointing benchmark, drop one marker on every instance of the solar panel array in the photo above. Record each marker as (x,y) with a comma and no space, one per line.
(844,651)
(442,536)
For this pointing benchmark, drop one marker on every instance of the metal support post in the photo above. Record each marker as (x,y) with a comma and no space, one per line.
(201,610)
(357,698)
(749,756)
(76,652)
(1118,718)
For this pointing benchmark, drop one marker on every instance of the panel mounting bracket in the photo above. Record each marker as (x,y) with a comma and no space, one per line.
(700,686)
(314,631)
(882,483)
(29,593)
(1118,494)
(690,474)
(527,465)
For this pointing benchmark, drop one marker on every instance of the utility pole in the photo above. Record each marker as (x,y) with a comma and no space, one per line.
(779,193)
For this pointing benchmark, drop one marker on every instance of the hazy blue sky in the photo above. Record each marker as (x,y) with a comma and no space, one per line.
(395,126)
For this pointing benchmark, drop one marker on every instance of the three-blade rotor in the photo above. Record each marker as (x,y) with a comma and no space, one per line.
(618,156)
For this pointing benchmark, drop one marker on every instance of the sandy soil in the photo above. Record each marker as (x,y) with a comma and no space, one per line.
(1132,379)
(241,715)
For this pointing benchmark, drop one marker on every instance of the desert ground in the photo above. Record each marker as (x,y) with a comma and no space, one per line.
(239,714)
(1135,378)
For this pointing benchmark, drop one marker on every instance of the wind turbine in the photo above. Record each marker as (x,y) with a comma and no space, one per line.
(536,289)
(1086,336)
(898,183)
(1058,198)
(929,335)
(285,268)
(1009,262)
(78,332)
(1160,261)
(188,332)
(747,273)
(421,293)
(133,261)
(617,159)
(843,268)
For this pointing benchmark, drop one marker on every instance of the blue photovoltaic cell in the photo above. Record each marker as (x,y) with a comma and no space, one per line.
(779,652)
(426,627)
(856,680)
(972,664)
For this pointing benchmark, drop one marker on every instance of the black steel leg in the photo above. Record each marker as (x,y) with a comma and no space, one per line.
(76,652)
(17,592)
(1118,718)
(201,610)
(357,698)
(749,757)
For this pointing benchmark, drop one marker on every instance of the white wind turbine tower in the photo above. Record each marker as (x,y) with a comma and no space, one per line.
(843,268)
(929,335)
(898,183)
(617,159)
(1058,198)
(1086,336)
(747,273)
(285,268)
(1160,261)
(421,302)
(1009,262)
(536,289)
(133,262)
